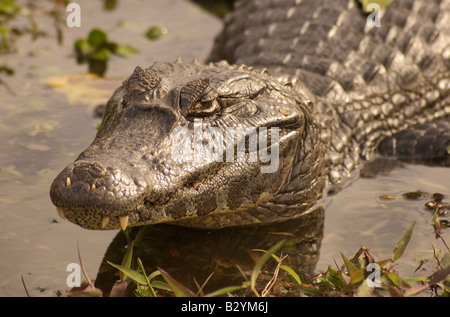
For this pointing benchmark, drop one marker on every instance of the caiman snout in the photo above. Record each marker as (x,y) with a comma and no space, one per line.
(83,184)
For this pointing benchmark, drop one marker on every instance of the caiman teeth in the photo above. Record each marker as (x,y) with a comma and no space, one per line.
(60,211)
(68,182)
(123,220)
(105,221)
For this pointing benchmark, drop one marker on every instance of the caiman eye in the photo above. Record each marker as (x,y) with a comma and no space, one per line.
(226,102)
(198,98)
(204,108)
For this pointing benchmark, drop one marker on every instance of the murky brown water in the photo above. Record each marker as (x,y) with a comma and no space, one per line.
(42,129)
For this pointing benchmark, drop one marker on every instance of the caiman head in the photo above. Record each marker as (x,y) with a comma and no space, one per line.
(168,147)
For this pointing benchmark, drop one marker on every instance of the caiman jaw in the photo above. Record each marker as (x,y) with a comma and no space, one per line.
(87,183)
(123,220)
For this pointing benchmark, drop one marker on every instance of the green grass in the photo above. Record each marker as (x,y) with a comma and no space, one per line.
(352,278)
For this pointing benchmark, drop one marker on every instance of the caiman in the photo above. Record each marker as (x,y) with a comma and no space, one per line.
(321,86)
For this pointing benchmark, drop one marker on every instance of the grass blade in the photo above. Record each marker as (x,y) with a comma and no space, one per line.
(284,267)
(126,261)
(135,276)
(178,289)
(147,280)
(260,263)
(226,290)
(401,245)
(292,273)
(161,285)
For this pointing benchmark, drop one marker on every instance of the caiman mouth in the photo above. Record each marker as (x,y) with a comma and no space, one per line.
(78,190)
(97,197)
(88,219)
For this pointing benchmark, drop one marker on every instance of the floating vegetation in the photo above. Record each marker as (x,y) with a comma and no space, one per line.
(435,203)
(156,32)
(10,32)
(97,49)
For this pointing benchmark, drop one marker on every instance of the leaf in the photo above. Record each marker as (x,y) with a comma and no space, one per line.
(141,278)
(82,46)
(161,285)
(226,290)
(292,273)
(436,253)
(335,278)
(382,263)
(439,276)
(125,50)
(101,55)
(155,32)
(135,276)
(422,261)
(397,280)
(445,261)
(178,289)
(126,261)
(417,279)
(154,274)
(357,276)
(401,245)
(97,37)
(310,290)
(349,265)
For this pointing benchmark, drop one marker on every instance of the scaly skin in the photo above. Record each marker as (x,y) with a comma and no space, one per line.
(337,88)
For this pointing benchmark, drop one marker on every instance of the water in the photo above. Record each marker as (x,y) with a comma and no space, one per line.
(42,129)
(357,216)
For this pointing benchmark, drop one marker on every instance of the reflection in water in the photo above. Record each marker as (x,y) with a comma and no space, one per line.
(187,253)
